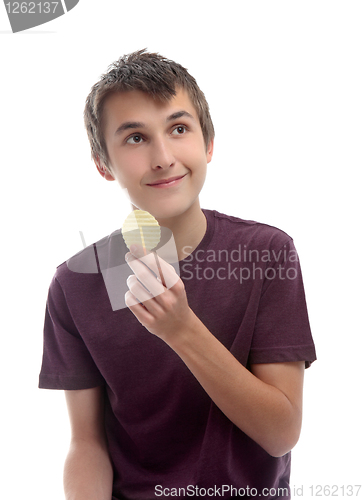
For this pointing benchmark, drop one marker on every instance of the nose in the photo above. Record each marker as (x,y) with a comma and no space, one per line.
(161,155)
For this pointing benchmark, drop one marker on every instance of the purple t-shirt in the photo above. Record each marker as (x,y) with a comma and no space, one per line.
(166,436)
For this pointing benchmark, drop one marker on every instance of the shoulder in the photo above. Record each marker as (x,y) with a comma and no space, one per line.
(87,262)
(83,262)
(252,233)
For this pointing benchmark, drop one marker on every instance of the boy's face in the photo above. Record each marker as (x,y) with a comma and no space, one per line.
(150,142)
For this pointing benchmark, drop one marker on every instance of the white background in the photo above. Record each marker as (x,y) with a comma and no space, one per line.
(284,82)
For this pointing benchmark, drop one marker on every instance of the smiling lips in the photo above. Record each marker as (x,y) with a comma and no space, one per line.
(165,183)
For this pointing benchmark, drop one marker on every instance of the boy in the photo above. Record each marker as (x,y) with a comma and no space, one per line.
(194,388)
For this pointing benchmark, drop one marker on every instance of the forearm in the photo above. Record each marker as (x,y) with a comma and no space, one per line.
(260,410)
(259,406)
(88,472)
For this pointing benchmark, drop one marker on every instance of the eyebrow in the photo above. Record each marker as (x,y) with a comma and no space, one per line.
(179,114)
(128,125)
(133,125)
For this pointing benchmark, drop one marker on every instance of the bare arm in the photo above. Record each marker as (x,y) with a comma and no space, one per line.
(87,471)
(265,403)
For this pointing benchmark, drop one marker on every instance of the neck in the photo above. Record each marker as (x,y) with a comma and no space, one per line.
(188,229)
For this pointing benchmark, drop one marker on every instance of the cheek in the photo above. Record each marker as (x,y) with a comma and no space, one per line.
(202,174)
(199,165)
(128,171)
(193,157)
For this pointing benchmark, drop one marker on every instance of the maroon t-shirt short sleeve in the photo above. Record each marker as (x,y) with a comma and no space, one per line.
(165,434)
(281,331)
(67,363)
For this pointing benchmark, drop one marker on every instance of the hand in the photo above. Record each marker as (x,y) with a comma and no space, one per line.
(163,310)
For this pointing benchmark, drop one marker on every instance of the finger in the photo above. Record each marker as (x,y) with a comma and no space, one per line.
(161,274)
(130,300)
(146,276)
(139,310)
(167,275)
(137,289)
(144,296)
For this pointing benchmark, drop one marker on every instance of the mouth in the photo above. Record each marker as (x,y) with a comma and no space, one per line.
(164,183)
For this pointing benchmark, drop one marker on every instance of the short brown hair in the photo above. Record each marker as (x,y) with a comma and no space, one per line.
(150,73)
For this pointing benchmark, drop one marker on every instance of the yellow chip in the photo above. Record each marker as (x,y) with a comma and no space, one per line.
(141,228)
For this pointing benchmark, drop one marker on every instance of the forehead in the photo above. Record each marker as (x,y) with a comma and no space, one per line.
(138,106)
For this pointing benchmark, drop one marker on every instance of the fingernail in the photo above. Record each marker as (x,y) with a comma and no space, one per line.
(135,250)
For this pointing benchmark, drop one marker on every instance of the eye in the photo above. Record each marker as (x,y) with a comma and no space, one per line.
(135,139)
(179,130)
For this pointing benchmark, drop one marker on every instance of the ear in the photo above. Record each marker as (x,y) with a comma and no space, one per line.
(106,174)
(210,150)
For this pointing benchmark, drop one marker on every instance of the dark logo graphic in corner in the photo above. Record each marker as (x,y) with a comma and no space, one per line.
(25,15)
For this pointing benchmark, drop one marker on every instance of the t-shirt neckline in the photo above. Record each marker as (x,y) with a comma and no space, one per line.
(208,235)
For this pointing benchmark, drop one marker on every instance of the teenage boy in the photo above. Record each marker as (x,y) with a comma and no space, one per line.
(195,388)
